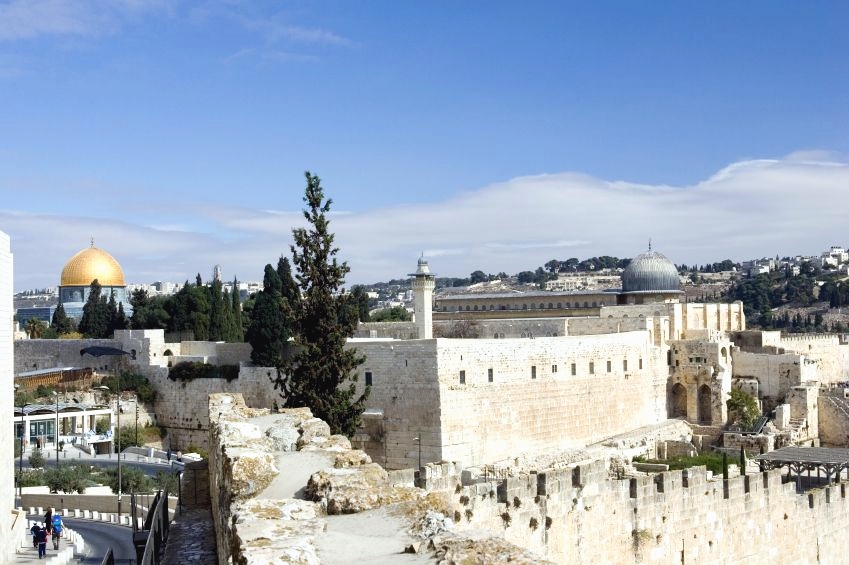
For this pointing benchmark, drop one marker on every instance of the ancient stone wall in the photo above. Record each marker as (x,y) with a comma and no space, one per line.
(776,373)
(36,354)
(574,515)
(833,413)
(498,400)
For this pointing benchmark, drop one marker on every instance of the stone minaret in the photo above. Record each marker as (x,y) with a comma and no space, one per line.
(423,283)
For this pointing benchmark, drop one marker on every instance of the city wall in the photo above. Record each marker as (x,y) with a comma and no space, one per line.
(776,373)
(833,411)
(576,515)
(543,394)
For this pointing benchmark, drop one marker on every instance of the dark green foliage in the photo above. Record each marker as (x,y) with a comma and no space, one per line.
(127,437)
(36,459)
(60,321)
(189,310)
(68,478)
(133,479)
(131,382)
(149,313)
(321,374)
(238,332)
(95,320)
(216,311)
(35,328)
(270,328)
(165,481)
(742,408)
(359,300)
(394,314)
(190,370)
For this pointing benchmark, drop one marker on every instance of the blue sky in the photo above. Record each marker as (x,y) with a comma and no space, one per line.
(488,135)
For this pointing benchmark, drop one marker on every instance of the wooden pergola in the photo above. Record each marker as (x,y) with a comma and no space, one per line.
(831,460)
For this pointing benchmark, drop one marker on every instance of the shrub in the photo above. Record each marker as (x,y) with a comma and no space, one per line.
(190,370)
(36,459)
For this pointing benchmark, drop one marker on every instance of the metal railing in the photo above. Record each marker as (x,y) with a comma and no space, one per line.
(151,540)
(109,558)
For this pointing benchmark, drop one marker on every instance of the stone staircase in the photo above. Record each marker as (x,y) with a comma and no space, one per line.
(191,538)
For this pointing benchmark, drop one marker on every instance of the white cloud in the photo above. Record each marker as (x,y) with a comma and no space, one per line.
(25,19)
(749,209)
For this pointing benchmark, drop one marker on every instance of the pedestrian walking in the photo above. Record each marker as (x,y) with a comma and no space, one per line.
(58,526)
(41,537)
(34,532)
(48,520)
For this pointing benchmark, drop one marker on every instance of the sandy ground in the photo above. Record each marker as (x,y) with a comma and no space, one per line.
(375,537)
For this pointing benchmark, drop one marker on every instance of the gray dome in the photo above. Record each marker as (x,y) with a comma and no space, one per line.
(650,272)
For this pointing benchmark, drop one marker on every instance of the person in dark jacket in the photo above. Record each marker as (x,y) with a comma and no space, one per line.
(34,532)
(41,537)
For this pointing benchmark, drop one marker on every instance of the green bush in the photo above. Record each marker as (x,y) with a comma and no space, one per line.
(190,370)
(68,478)
(713,462)
(101,425)
(31,477)
(36,459)
(131,382)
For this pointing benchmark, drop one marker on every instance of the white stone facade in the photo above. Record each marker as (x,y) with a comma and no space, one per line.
(7,477)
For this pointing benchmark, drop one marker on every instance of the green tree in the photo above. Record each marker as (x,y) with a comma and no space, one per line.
(236,306)
(60,321)
(36,459)
(67,478)
(742,408)
(133,479)
(359,299)
(95,320)
(149,313)
(35,328)
(269,331)
(321,374)
(216,311)
(477,277)
(394,314)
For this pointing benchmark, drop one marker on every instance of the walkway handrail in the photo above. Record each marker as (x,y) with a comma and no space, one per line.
(109,558)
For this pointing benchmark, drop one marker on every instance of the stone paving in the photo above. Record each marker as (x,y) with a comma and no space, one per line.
(191,538)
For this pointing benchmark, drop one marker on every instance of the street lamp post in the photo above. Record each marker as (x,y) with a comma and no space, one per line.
(118,439)
(56,434)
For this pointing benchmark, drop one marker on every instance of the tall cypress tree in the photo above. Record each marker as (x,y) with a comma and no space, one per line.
(238,332)
(95,319)
(216,312)
(322,372)
(60,321)
(268,332)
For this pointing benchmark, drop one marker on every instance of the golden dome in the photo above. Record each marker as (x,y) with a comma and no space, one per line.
(89,264)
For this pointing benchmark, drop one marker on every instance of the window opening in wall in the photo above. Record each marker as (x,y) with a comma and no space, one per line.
(624,364)
(533,371)
(541,305)
(462,377)
(489,375)
(560,305)
(405,362)
(368,378)
(574,369)
(608,366)
(554,368)
(641,364)
(550,305)
(669,357)
(495,336)
(592,368)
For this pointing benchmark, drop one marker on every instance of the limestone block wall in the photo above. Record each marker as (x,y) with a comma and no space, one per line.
(824,351)
(775,373)
(7,480)
(405,389)
(35,354)
(180,405)
(804,404)
(500,398)
(395,330)
(715,316)
(574,515)
(595,326)
(833,414)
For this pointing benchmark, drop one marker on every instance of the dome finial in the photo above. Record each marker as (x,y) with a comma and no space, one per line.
(649,244)
(92,241)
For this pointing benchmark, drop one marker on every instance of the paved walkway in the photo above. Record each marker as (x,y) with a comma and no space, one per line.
(191,538)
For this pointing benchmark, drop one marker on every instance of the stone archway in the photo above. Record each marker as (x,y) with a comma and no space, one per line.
(704,405)
(678,395)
